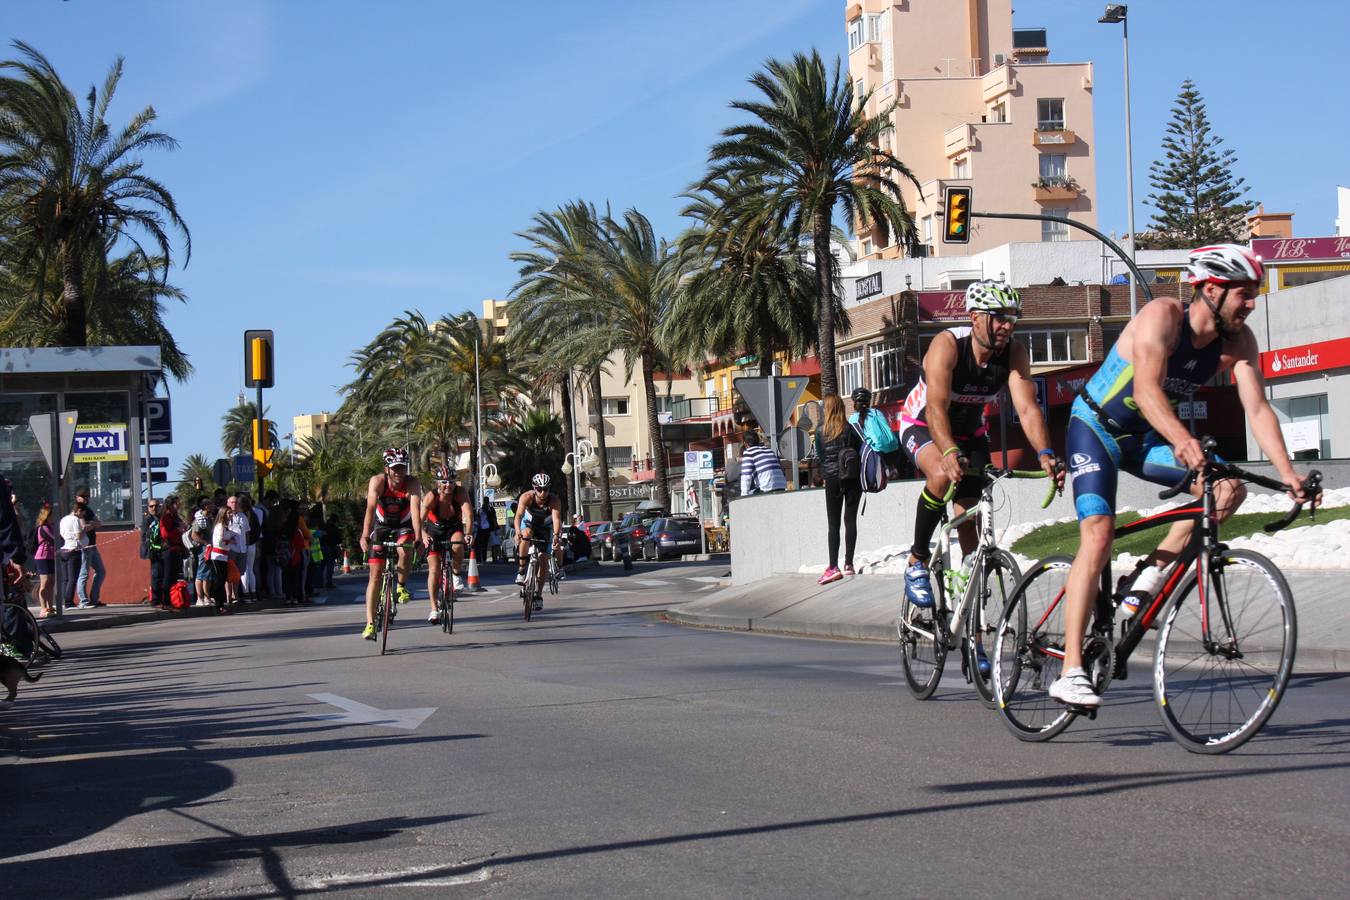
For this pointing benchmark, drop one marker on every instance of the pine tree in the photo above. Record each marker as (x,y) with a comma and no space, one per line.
(1198,198)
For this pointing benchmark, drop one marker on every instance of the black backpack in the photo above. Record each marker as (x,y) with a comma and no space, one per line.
(848,462)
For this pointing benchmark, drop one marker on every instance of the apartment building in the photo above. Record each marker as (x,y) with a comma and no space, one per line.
(977,103)
(307,427)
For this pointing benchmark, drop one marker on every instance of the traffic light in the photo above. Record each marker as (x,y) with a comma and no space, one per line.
(262,452)
(956,216)
(258,359)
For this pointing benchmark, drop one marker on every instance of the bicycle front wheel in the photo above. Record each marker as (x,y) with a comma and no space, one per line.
(1214,694)
(998,574)
(1029,653)
(923,644)
(386,600)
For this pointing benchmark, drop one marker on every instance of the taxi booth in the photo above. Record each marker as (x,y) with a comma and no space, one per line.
(108,387)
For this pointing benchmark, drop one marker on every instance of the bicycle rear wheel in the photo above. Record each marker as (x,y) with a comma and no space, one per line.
(1214,698)
(923,648)
(998,576)
(1029,653)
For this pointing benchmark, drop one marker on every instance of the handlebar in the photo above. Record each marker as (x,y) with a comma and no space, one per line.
(1312,485)
(994,473)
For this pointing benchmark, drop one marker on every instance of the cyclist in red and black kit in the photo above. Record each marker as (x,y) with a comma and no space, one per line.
(393,515)
(445,512)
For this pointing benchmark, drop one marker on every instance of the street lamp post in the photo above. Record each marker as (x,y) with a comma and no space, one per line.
(1118,13)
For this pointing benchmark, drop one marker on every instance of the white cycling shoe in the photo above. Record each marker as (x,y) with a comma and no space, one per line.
(1074,688)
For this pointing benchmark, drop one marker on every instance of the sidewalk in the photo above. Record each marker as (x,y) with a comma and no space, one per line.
(865,608)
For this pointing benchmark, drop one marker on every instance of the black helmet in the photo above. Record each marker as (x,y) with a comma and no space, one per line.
(862,395)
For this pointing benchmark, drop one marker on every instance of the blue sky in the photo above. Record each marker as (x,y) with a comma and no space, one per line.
(342,161)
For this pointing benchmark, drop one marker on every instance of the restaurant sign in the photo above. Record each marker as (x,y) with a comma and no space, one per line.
(942,306)
(1280,249)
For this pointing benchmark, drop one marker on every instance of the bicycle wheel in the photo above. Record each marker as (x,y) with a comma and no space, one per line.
(46,643)
(528,588)
(552,577)
(923,649)
(1028,653)
(386,600)
(998,574)
(448,602)
(1214,698)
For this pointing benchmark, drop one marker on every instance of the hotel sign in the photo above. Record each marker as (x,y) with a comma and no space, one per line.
(1306,358)
(867,286)
(942,306)
(1280,249)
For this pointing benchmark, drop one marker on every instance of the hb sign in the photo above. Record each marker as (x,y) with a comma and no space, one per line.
(258,358)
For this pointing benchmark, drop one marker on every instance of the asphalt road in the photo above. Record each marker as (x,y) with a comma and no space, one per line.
(598,751)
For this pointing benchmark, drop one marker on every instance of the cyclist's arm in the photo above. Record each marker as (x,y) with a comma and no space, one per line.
(520,512)
(1155,334)
(1251,388)
(368,523)
(555,511)
(1022,389)
(938,364)
(415,501)
(466,517)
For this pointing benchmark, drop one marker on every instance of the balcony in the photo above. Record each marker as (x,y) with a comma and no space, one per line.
(959,139)
(997,83)
(1054,136)
(690,419)
(694,408)
(1056,189)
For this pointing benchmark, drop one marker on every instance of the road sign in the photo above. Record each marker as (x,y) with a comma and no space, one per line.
(793,439)
(100,442)
(245,469)
(158,421)
(755,391)
(158,462)
(698,465)
(57,457)
(155,477)
(222,472)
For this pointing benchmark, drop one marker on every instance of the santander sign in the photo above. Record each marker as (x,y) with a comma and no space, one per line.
(1306,358)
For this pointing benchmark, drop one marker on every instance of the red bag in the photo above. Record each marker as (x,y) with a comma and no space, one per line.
(178,595)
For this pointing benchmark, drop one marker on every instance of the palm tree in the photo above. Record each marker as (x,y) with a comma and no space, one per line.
(195,469)
(811,148)
(72,186)
(550,300)
(237,431)
(745,292)
(530,445)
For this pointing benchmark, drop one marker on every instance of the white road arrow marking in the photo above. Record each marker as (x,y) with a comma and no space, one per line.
(647,583)
(596,585)
(354,713)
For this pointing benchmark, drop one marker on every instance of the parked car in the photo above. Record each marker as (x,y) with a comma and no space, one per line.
(672,536)
(632,529)
(602,540)
(587,526)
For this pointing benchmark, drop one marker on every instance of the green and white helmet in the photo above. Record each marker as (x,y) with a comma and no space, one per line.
(992,295)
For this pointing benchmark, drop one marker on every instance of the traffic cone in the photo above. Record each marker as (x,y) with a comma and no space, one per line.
(346,563)
(474,583)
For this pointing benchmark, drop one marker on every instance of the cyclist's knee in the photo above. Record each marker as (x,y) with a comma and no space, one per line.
(1228,496)
(1094,538)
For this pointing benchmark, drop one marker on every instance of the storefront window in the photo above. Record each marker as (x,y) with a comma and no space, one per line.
(1307,410)
(108,479)
(20,459)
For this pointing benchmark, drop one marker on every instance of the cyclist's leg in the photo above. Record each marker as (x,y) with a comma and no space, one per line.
(376,564)
(969,488)
(928,511)
(434,575)
(405,558)
(523,552)
(1094,460)
(457,552)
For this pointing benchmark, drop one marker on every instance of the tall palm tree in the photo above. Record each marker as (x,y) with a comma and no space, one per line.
(72,185)
(194,468)
(236,432)
(530,445)
(551,299)
(811,148)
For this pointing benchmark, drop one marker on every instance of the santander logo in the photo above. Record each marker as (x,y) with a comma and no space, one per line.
(1282,362)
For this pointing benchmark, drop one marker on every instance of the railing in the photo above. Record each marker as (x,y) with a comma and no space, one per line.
(694,408)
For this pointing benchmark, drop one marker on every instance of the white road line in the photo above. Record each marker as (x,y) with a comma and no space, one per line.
(652,583)
(708,579)
(597,585)
(393,878)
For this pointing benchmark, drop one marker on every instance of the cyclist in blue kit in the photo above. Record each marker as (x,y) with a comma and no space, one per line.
(1124,419)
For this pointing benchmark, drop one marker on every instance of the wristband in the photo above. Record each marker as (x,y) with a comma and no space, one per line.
(1048,451)
(949,451)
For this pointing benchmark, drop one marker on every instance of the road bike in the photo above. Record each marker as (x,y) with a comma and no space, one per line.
(445,597)
(1225,640)
(532,590)
(385,601)
(983,583)
(26,637)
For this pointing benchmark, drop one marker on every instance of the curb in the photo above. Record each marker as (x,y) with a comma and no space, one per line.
(114,620)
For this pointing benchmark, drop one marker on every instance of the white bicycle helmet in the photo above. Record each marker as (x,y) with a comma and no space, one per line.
(1225,264)
(992,295)
(540,481)
(395,456)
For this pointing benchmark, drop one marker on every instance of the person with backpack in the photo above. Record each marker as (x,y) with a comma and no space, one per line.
(152,548)
(945,430)
(838,447)
(172,552)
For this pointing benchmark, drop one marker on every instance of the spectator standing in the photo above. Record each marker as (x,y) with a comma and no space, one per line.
(332,549)
(92,570)
(761,470)
(218,554)
(173,551)
(314,568)
(274,559)
(234,591)
(485,528)
(838,444)
(44,559)
(152,549)
(291,553)
(200,536)
(874,426)
(12,549)
(252,532)
(73,539)
(258,548)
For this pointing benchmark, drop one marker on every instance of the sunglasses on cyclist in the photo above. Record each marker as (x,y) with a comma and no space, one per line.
(443,483)
(1004,318)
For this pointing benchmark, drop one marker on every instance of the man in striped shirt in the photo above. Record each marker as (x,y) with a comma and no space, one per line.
(761,471)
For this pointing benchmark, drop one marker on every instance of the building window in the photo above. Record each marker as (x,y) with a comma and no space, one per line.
(859,90)
(855,34)
(1054,165)
(666,404)
(961,167)
(1055,231)
(874,27)
(1110,334)
(1056,346)
(1000,113)
(1050,114)
(850,371)
(614,406)
(926,229)
(1306,411)
(619,457)
(1293,277)
(886,358)
(866,246)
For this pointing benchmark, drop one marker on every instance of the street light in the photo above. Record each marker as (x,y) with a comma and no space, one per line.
(585,461)
(1117,14)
